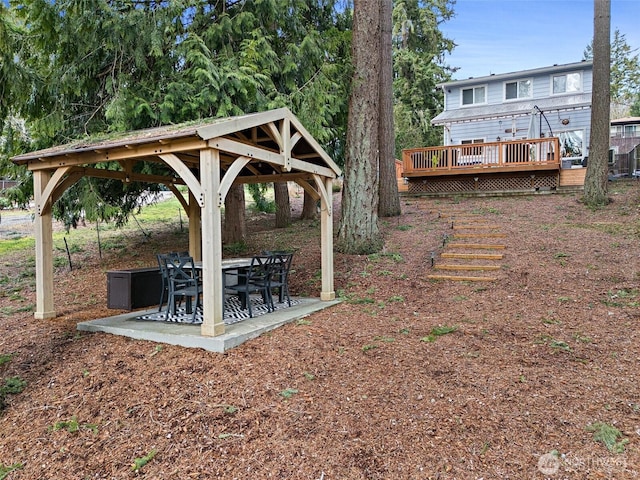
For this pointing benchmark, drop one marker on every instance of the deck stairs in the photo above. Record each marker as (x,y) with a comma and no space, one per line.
(471,250)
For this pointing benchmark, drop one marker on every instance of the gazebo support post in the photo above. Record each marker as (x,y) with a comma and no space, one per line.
(195,234)
(213,298)
(326,235)
(44,248)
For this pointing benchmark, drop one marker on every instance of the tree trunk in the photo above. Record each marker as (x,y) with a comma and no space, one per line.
(234,220)
(359,232)
(283,207)
(389,199)
(595,183)
(309,208)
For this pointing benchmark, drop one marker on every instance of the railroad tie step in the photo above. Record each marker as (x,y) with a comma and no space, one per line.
(482,256)
(461,278)
(476,227)
(476,246)
(458,215)
(466,267)
(479,235)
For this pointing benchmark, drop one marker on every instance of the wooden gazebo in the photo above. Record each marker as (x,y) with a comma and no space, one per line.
(208,158)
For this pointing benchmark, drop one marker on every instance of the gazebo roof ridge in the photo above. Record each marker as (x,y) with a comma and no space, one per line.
(204,130)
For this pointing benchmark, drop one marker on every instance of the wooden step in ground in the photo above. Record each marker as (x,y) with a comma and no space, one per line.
(461,278)
(479,235)
(470,268)
(476,227)
(479,256)
(460,215)
(476,246)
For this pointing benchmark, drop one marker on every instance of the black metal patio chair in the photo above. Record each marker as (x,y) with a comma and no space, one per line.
(163,259)
(254,278)
(280,266)
(184,283)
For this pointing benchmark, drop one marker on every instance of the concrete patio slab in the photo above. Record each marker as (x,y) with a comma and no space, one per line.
(187,335)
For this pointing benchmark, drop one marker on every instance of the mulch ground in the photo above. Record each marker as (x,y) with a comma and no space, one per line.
(408,378)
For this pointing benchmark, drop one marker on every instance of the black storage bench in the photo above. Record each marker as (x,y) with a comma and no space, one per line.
(134,288)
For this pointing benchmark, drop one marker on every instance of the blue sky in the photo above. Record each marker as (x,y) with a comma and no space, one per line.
(502,36)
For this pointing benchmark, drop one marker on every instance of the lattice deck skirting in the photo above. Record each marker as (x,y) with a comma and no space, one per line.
(484,183)
(233,312)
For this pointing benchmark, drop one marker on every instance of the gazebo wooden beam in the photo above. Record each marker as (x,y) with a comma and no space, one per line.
(97,155)
(125,177)
(275,177)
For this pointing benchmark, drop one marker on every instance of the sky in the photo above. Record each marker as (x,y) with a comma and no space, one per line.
(503,36)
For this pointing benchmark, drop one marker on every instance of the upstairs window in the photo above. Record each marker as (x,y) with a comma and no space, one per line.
(518,89)
(567,83)
(474,96)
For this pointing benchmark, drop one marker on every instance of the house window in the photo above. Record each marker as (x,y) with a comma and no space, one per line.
(567,83)
(518,89)
(473,96)
(630,131)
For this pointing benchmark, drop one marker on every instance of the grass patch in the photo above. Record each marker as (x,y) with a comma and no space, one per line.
(353,299)
(384,339)
(5,358)
(12,385)
(438,332)
(560,345)
(288,392)
(138,463)
(626,297)
(14,245)
(608,435)
(5,470)
(72,426)
(396,298)
(395,257)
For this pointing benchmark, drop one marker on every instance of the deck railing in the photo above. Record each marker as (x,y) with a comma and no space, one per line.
(531,152)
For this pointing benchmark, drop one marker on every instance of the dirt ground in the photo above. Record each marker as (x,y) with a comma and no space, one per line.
(531,375)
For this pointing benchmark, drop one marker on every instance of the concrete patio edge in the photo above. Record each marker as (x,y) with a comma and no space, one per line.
(187,335)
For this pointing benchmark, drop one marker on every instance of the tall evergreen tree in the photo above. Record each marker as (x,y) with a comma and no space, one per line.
(389,201)
(359,231)
(143,64)
(595,183)
(625,74)
(418,63)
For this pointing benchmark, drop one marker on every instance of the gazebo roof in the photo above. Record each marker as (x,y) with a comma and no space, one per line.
(256,136)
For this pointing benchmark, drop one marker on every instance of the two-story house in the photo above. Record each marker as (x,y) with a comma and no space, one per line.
(512,131)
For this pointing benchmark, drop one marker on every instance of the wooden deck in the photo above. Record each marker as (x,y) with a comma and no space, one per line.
(516,155)
(519,165)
